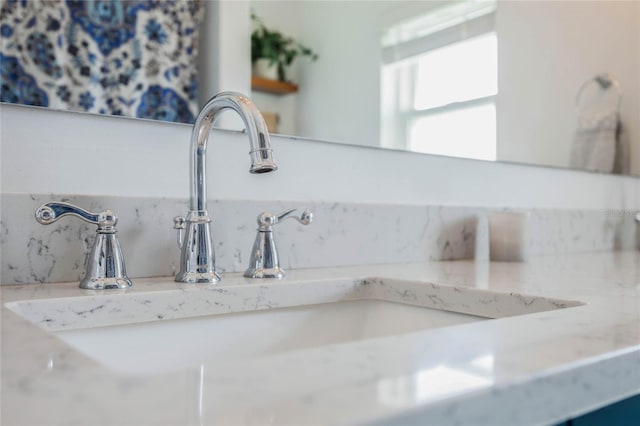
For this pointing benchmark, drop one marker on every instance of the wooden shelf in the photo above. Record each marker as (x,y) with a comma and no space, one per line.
(274,87)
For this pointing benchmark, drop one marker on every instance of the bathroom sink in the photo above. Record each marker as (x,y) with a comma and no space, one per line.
(149,332)
(189,341)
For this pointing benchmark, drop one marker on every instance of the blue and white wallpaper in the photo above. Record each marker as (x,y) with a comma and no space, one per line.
(134,58)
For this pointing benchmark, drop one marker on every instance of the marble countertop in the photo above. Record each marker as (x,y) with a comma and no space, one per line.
(531,369)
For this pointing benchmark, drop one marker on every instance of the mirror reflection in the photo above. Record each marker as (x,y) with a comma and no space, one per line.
(546,83)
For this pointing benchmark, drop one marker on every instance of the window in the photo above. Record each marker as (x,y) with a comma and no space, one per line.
(439,89)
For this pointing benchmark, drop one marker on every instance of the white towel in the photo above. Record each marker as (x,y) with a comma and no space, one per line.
(594,141)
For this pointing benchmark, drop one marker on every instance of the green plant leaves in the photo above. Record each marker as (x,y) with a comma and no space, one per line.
(276,47)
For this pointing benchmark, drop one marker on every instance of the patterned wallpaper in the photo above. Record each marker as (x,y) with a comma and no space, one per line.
(117,57)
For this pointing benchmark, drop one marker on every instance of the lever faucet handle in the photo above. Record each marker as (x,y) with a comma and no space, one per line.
(264,261)
(266,220)
(105,267)
(49,213)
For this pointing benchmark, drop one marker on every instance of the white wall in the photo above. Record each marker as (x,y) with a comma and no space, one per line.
(546,51)
(224,60)
(278,15)
(47,151)
(339,94)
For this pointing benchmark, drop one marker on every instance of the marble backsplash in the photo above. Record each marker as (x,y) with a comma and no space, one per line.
(341,234)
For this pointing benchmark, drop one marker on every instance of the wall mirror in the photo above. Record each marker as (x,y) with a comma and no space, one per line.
(552,83)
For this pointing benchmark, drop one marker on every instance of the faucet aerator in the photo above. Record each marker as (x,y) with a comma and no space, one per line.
(263,168)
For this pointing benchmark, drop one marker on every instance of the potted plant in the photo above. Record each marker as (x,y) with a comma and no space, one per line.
(271,51)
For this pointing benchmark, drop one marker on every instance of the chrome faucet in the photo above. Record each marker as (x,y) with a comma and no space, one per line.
(105,264)
(197,259)
(265,262)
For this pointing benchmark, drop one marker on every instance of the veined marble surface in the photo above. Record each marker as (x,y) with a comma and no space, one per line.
(341,234)
(537,368)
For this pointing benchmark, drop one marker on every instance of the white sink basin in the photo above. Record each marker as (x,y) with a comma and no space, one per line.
(193,340)
(149,332)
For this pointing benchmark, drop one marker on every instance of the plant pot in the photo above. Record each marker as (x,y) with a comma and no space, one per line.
(262,68)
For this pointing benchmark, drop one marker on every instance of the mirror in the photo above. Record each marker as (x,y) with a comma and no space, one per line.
(544,83)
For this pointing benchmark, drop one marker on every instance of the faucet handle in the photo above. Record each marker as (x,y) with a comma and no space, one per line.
(266,219)
(49,213)
(105,265)
(264,261)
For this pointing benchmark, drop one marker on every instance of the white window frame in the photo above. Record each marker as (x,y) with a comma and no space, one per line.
(398,111)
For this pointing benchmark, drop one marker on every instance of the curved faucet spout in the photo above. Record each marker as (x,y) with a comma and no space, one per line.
(197,259)
(256,129)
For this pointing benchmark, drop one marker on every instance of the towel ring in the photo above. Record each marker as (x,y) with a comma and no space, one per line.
(604,81)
